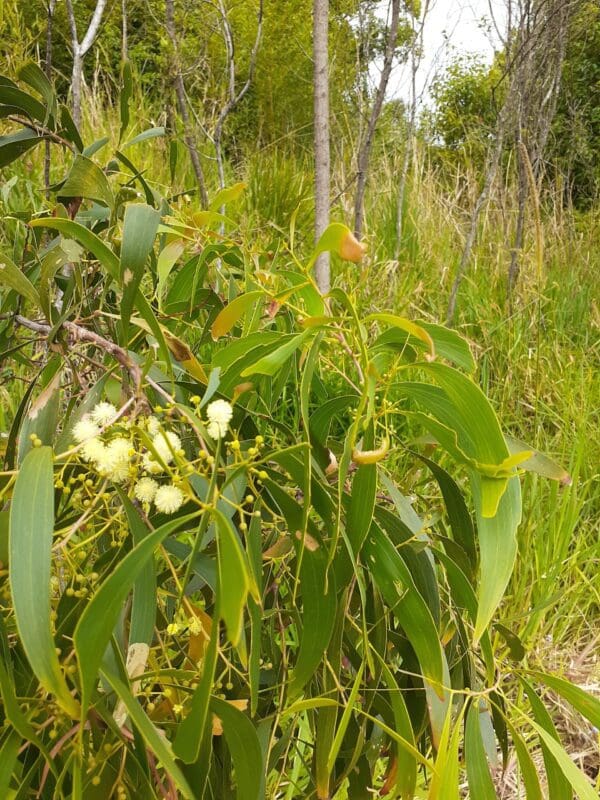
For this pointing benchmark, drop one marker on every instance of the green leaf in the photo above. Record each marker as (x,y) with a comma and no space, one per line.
(23,102)
(139,229)
(273,361)
(159,744)
(497,549)
(41,418)
(412,328)
(191,731)
(529,773)
(8,758)
(232,313)
(149,133)
(86,179)
(143,606)
(235,581)
(538,462)
(14,278)
(461,523)
(97,622)
(226,195)
(345,720)
(406,764)
(450,345)
(575,777)
(481,785)
(17,718)
(14,145)
(398,589)
(86,237)
(33,75)
(362,500)
(31,532)
(559,784)
(165,262)
(319,607)
(244,747)
(444,782)
(581,701)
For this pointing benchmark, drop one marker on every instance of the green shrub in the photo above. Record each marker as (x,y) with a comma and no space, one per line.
(254,546)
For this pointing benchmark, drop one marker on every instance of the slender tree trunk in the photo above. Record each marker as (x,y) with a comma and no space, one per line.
(124,37)
(79,51)
(188,134)
(514,268)
(365,148)
(48,71)
(490,175)
(321,134)
(233,96)
(415,61)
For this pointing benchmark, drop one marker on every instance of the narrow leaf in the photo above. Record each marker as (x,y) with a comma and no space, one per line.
(96,624)
(30,543)
(139,229)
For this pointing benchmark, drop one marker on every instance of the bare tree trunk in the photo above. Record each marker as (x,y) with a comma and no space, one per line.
(48,71)
(79,51)
(188,134)
(536,41)
(490,175)
(365,148)
(321,135)
(514,268)
(415,61)
(124,44)
(233,97)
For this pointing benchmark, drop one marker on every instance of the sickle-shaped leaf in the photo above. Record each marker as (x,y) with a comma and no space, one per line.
(159,745)
(397,587)
(139,229)
(412,328)
(582,701)
(244,747)
(235,580)
(228,316)
(86,179)
(30,543)
(272,362)
(478,773)
(16,144)
(14,278)
(96,624)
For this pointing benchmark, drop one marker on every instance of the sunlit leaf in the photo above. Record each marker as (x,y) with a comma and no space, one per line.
(31,532)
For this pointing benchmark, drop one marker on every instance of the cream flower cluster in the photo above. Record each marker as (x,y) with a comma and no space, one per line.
(107,445)
(111,459)
(219,414)
(167,498)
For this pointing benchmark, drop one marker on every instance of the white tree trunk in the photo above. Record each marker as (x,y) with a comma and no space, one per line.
(79,51)
(321,135)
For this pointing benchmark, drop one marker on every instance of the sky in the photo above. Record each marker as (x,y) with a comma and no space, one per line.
(452,26)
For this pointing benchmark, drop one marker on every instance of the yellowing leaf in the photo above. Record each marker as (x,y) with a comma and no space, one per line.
(217,724)
(371,456)
(338,238)
(228,316)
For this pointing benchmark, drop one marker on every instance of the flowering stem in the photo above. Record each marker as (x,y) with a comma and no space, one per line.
(210,499)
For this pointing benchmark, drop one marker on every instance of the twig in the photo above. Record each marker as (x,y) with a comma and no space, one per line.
(42,131)
(80,334)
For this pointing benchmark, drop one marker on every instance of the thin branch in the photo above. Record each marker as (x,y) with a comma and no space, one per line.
(46,133)
(77,333)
